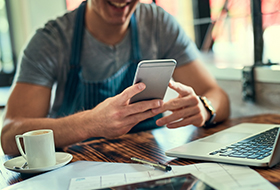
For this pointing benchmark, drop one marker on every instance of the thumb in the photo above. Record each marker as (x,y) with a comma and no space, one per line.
(183,90)
(131,91)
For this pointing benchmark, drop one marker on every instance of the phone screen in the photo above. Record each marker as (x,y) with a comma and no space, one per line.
(185,181)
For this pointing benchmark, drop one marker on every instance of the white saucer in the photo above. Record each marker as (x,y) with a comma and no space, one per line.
(62,158)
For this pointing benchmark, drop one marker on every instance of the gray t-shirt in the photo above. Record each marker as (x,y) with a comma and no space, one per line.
(45,60)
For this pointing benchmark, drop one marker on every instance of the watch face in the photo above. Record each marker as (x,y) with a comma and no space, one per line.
(210,108)
(208,104)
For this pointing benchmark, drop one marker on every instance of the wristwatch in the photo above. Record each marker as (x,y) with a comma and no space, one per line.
(207,104)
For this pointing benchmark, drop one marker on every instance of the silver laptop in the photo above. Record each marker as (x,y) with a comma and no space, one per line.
(248,144)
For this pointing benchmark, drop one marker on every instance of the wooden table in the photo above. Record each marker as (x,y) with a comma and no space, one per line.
(150,145)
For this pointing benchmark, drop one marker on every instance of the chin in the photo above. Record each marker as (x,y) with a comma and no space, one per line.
(119,12)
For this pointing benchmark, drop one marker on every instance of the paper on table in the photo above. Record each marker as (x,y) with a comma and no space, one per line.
(59,179)
(106,181)
(236,177)
(227,176)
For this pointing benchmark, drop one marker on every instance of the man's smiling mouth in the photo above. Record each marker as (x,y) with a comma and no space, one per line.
(118,5)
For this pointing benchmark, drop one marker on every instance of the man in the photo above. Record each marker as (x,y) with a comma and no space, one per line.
(91,55)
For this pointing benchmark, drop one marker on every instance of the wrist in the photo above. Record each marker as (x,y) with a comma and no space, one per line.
(82,123)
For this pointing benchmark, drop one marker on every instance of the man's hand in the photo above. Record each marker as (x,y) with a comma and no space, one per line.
(186,108)
(115,116)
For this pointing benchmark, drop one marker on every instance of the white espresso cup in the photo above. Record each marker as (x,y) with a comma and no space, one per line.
(39,148)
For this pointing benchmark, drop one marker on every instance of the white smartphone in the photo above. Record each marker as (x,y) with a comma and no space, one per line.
(155,74)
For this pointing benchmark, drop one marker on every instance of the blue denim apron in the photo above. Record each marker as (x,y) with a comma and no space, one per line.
(83,95)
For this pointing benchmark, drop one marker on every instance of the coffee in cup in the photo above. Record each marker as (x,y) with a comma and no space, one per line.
(39,132)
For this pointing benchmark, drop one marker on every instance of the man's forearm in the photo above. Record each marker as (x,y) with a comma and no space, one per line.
(67,130)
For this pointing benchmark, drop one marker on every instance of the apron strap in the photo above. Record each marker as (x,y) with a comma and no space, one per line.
(78,36)
(73,75)
(136,53)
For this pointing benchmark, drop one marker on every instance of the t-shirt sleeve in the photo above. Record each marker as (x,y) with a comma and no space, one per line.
(39,59)
(173,41)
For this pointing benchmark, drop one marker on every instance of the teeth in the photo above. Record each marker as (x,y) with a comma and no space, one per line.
(118,5)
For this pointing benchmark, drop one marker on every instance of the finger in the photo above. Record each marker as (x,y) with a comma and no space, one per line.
(177,115)
(143,106)
(136,118)
(183,90)
(138,107)
(195,120)
(177,104)
(131,91)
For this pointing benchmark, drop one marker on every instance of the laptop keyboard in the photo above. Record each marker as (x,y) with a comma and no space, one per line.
(255,147)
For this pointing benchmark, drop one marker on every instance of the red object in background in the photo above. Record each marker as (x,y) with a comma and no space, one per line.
(168,5)
(270,12)
(73,4)
(146,1)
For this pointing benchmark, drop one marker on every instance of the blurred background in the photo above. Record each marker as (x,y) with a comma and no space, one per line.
(239,41)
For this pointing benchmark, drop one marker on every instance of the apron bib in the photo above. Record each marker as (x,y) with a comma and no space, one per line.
(81,95)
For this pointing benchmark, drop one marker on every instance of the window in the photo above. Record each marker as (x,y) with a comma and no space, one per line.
(7,66)
(231,37)
(232,32)
(271,26)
